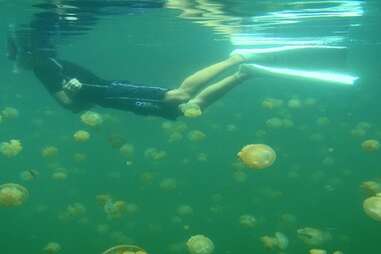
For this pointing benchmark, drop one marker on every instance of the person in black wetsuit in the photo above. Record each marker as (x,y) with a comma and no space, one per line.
(78,89)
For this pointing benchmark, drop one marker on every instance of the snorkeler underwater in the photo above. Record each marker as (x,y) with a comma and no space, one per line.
(190,126)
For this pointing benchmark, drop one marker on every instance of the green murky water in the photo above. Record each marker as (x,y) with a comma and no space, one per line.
(191,185)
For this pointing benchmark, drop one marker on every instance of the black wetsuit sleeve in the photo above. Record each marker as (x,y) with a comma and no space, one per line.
(50,73)
(54,73)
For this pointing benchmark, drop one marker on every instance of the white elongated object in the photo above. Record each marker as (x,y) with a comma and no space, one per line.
(257,51)
(325,76)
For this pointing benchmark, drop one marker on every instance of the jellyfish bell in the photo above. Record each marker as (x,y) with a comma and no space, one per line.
(184,210)
(125,249)
(247,221)
(196,135)
(11,148)
(52,248)
(371,188)
(313,236)
(12,194)
(116,141)
(200,244)
(372,207)
(269,242)
(282,240)
(92,119)
(81,136)
(49,151)
(257,156)
(370,145)
(317,251)
(294,103)
(274,123)
(9,113)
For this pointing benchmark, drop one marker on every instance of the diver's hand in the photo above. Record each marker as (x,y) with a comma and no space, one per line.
(72,86)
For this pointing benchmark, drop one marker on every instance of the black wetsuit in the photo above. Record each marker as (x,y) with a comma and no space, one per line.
(59,20)
(118,94)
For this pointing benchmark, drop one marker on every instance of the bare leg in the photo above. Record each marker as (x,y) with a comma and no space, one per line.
(217,90)
(192,84)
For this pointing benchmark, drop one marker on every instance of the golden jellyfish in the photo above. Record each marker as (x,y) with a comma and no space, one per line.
(294,103)
(257,156)
(317,251)
(247,221)
(277,242)
(177,126)
(168,184)
(239,176)
(357,132)
(313,236)
(116,140)
(59,174)
(310,102)
(191,110)
(127,150)
(115,209)
(11,148)
(184,210)
(269,242)
(131,208)
(12,194)
(125,249)
(92,119)
(79,157)
(200,244)
(274,123)
(364,125)
(371,188)
(52,248)
(49,151)
(287,123)
(103,229)
(271,103)
(372,207)
(323,121)
(288,220)
(76,210)
(81,136)
(202,157)
(102,199)
(196,136)
(146,178)
(9,113)
(155,154)
(29,175)
(370,145)
(175,137)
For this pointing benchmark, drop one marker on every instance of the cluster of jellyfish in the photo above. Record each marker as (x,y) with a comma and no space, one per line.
(253,156)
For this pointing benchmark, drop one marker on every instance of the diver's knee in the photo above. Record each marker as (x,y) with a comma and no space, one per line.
(177,95)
